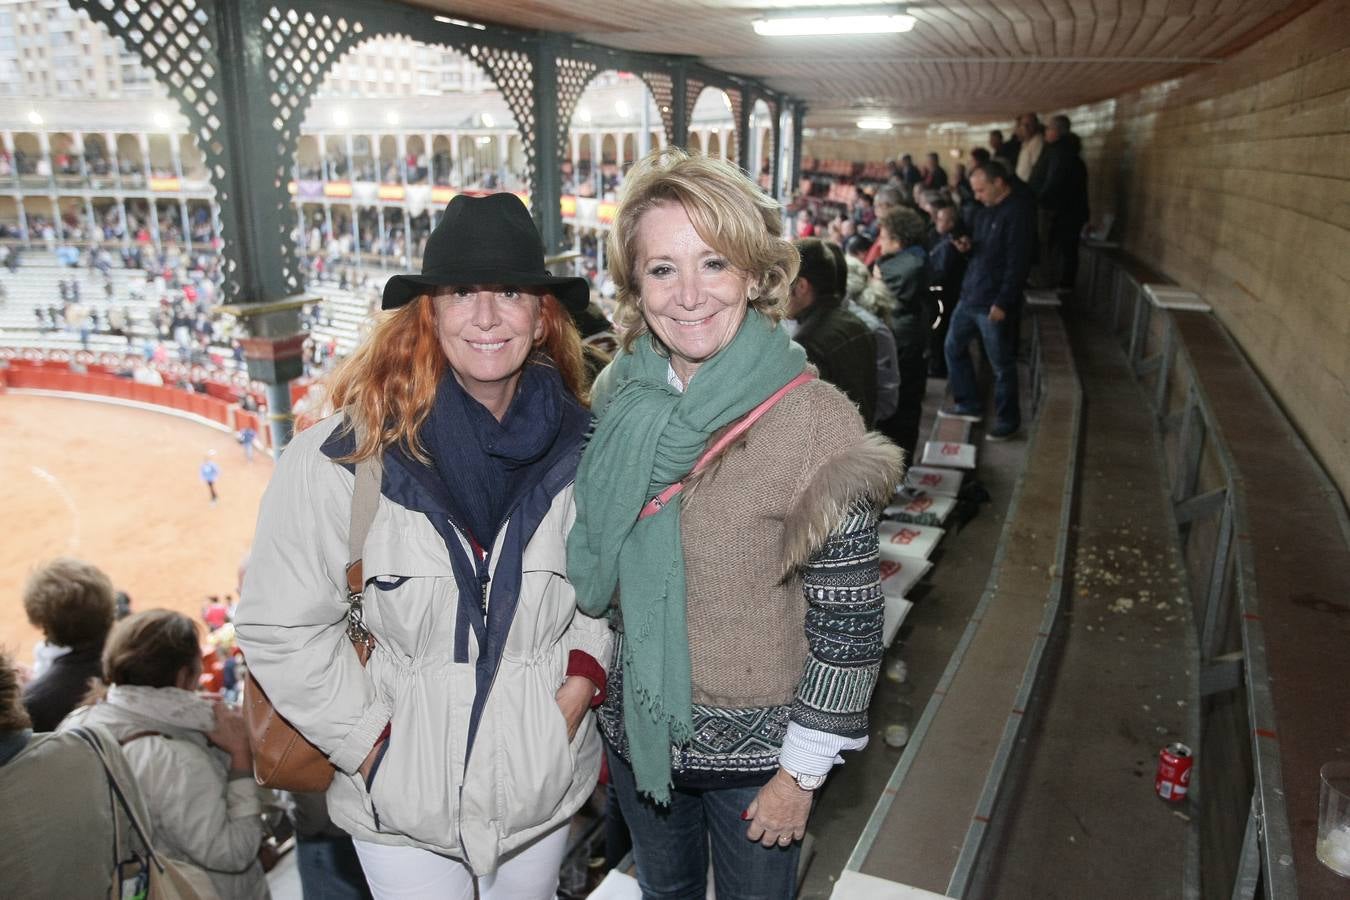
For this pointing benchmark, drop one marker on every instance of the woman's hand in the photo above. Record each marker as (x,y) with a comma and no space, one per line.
(779,812)
(574,699)
(369,762)
(231,735)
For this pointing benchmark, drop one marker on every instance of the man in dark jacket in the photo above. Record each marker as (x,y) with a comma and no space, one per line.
(991,294)
(907,173)
(904,270)
(947,267)
(935,176)
(1060,183)
(836,342)
(72,603)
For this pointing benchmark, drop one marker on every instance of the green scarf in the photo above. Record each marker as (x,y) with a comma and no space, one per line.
(649,436)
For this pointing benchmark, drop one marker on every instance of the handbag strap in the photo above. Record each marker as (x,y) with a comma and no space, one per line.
(365,500)
(657,503)
(92,739)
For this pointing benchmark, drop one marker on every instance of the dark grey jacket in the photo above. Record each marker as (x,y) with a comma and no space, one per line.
(906,277)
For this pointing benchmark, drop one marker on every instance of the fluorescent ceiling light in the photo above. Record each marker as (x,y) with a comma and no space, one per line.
(391,117)
(462,23)
(340,118)
(34,117)
(487,120)
(162,120)
(874,124)
(813,24)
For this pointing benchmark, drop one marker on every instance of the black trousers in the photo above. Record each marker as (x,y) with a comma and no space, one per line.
(1063,245)
(903,426)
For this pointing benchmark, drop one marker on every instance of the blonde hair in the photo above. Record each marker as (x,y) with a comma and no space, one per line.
(387,386)
(729,212)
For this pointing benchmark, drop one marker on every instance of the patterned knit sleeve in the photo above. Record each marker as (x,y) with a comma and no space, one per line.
(842,585)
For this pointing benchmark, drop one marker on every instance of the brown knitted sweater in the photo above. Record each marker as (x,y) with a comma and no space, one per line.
(749,524)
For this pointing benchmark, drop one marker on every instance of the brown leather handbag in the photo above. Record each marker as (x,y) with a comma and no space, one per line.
(282,758)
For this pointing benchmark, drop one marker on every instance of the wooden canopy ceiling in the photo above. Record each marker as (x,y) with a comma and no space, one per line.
(964,60)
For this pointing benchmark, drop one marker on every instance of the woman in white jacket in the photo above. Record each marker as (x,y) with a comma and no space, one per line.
(189,753)
(465,744)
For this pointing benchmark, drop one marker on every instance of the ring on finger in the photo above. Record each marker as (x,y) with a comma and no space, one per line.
(785,839)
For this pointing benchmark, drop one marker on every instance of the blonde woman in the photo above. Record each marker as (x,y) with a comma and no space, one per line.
(747,577)
(465,745)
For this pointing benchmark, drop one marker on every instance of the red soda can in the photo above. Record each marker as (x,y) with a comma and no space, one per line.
(1174,772)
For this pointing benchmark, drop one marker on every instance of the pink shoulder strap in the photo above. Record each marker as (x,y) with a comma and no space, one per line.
(657,503)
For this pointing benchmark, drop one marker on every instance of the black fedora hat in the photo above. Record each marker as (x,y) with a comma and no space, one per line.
(485,240)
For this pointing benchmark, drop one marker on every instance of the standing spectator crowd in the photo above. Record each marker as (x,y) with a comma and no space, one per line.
(939,260)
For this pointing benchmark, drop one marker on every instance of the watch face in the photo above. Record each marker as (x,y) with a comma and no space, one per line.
(810,782)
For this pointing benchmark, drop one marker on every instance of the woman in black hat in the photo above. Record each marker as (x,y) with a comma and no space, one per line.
(465,744)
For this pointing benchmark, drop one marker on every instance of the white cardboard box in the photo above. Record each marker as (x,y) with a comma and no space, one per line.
(922,509)
(898,576)
(905,540)
(896,610)
(946,482)
(857,886)
(948,454)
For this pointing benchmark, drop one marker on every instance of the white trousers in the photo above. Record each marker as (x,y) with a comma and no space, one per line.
(411,873)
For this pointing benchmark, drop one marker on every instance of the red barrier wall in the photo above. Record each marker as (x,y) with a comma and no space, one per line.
(57,377)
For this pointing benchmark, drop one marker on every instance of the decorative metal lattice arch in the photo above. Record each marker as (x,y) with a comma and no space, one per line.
(577,71)
(243,73)
(301,47)
(177,41)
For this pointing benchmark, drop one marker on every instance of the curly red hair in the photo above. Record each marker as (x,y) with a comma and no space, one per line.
(388,384)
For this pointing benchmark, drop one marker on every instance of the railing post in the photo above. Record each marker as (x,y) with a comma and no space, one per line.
(1190,445)
(546,192)
(1164,367)
(1214,619)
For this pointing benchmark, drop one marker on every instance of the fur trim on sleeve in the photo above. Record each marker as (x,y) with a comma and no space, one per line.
(869,469)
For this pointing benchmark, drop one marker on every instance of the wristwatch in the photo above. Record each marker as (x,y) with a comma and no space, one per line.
(804,781)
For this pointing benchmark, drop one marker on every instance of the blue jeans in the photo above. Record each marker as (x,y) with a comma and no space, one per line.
(330,869)
(670,844)
(1001,344)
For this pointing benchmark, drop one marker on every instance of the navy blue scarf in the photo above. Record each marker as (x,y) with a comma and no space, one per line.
(486,465)
(483,473)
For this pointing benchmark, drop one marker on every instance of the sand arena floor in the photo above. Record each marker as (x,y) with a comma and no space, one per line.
(119,487)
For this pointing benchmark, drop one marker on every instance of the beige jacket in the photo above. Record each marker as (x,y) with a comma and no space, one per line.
(523,778)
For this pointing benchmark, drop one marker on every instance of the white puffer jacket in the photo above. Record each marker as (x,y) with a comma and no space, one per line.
(521,777)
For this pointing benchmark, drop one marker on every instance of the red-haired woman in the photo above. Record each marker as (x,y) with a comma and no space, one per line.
(465,744)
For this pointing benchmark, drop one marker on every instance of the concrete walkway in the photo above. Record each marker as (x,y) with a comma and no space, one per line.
(1085,821)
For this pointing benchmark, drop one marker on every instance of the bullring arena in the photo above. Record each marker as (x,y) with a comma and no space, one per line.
(119,486)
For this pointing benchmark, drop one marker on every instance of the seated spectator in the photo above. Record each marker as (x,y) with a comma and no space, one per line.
(887,198)
(851,277)
(934,175)
(57,839)
(904,269)
(836,342)
(190,754)
(71,603)
(907,174)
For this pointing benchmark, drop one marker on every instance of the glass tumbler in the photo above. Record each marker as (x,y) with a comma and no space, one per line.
(1333,821)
